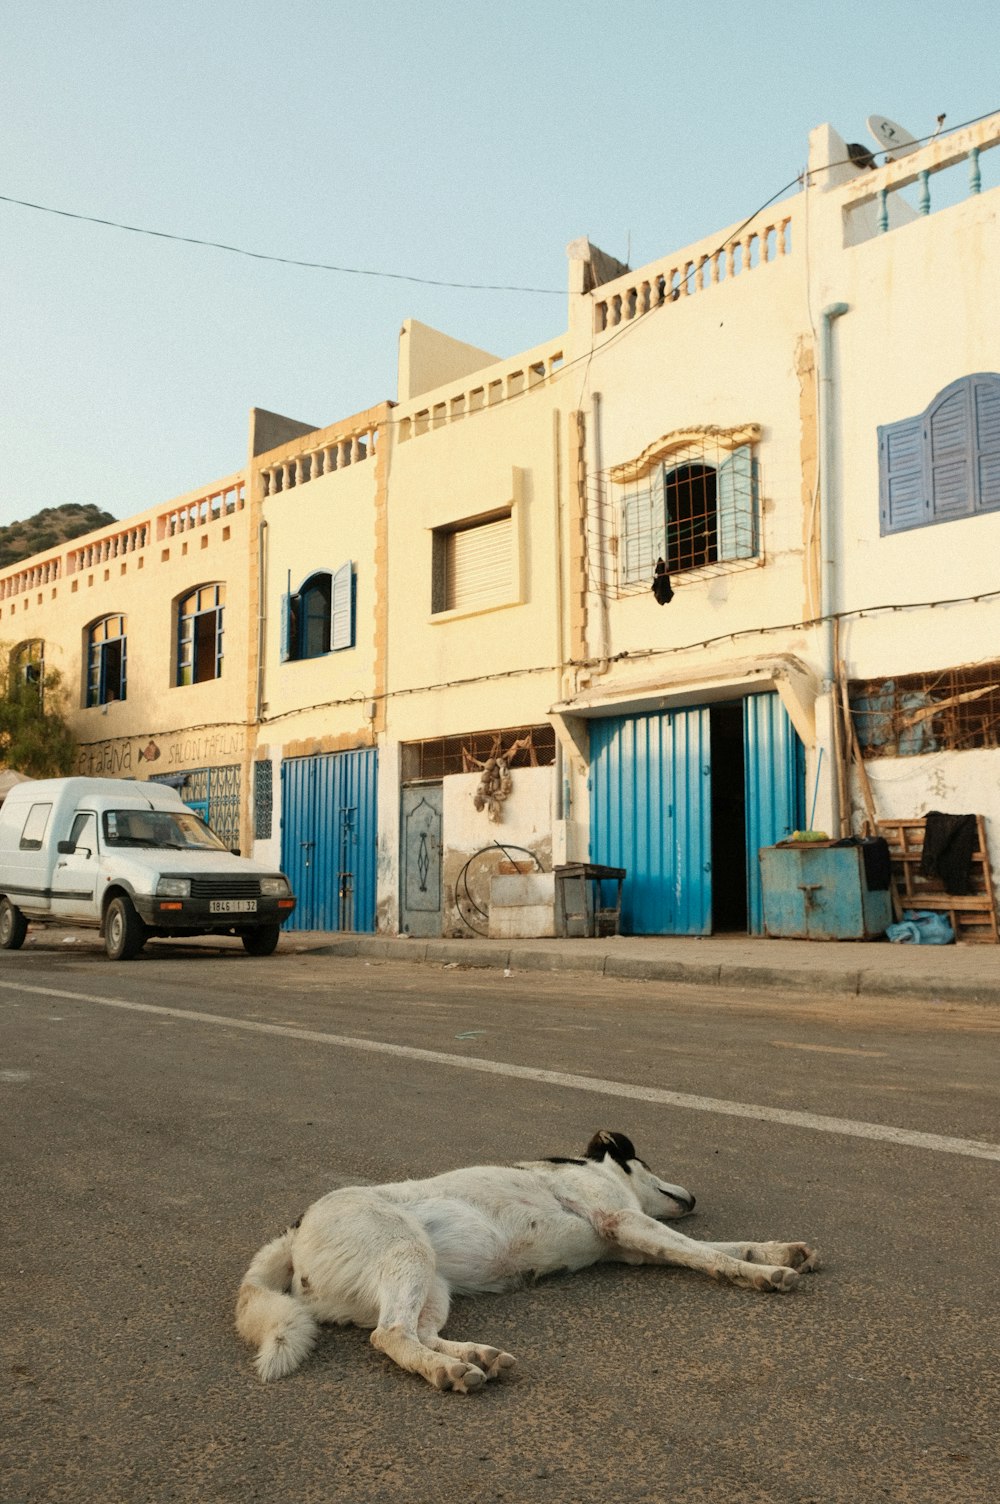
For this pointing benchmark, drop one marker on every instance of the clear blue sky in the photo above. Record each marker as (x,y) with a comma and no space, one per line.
(440,139)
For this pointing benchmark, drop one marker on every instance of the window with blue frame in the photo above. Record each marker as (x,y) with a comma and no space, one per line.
(944,463)
(106,660)
(691,514)
(319,617)
(200,616)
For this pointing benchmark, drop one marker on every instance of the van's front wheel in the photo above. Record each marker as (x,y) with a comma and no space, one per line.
(13,926)
(124,932)
(262,941)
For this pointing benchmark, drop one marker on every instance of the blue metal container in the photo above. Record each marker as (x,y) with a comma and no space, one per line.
(819,892)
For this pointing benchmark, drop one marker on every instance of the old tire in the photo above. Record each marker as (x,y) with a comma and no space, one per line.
(124,931)
(261,941)
(13,926)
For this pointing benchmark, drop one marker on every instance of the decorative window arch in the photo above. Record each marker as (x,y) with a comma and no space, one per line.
(944,463)
(200,621)
(107,641)
(319,617)
(691,499)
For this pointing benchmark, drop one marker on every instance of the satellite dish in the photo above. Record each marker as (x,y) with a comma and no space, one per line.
(892,137)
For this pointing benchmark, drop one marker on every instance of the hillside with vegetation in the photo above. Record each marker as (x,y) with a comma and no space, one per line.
(47,529)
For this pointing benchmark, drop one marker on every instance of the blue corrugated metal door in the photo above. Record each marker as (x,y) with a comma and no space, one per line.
(774,779)
(328,839)
(651,814)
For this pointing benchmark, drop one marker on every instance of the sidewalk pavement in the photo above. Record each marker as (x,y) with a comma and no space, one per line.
(968,973)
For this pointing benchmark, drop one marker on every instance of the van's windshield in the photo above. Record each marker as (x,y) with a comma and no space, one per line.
(182,831)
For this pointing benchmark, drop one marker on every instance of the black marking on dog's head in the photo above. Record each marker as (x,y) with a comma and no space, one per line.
(296,1224)
(616,1145)
(562,1159)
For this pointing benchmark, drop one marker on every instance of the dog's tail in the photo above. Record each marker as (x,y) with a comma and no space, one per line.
(269,1317)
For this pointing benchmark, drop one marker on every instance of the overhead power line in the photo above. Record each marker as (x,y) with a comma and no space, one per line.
(238,250)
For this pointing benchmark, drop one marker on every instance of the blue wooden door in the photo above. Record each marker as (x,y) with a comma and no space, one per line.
(328,839)
(651,813)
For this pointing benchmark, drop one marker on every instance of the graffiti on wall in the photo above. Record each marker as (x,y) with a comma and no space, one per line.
(132,757)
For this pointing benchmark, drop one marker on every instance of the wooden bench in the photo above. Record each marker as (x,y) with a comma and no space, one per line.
(972,915)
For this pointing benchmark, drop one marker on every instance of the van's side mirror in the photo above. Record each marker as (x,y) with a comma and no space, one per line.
(66,848)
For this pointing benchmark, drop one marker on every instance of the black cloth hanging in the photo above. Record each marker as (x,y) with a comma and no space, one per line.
(949,841)
(661,587)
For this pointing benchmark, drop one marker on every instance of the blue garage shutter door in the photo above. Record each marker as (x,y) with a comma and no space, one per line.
(650,782)
(774,784)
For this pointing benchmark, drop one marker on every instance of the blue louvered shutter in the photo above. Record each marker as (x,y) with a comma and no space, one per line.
(736,505)
(903,499)
(342,608)
(986,417)
(948,449)
(286,627)
(644,529)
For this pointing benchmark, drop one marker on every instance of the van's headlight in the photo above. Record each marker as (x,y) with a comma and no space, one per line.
(173,887)
(274,887)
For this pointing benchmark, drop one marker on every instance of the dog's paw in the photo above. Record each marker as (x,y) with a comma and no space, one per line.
(492,1361)
(459,1378)
(779,1278)
(803,1258)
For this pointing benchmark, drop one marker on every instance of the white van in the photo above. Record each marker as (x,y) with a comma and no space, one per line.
(133,860)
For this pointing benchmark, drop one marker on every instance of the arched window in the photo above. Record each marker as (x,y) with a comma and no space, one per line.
(199,634)
(27,664)
(944,463)
(318,618)
(691,514)
(106,643)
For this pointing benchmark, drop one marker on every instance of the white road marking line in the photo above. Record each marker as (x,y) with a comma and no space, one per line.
(939,1143)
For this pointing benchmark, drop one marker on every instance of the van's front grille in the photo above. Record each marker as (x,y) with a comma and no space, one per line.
(225,887)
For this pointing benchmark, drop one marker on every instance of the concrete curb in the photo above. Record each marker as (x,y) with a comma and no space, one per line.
(850,980)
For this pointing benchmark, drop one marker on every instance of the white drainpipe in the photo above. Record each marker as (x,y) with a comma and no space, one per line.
(829,536)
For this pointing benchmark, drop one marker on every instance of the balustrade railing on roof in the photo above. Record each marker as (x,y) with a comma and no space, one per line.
(32,577)
(222,501)
(693,270)
(530,372)
(918,169)
(331,453)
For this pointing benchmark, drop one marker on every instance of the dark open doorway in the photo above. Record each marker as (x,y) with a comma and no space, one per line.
(729,841)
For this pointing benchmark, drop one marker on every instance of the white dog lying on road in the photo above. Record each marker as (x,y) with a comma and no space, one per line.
(390,1257)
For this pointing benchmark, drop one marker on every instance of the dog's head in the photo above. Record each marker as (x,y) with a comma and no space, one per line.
(657,1197)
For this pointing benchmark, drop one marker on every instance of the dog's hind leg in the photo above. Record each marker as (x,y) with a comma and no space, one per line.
(411,1299)
(636,1238)
(491,1360)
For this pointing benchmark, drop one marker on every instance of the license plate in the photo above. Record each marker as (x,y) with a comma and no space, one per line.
(232,906)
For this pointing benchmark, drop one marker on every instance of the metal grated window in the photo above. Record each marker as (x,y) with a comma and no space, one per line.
(445,755)
(949,710)
(263,799)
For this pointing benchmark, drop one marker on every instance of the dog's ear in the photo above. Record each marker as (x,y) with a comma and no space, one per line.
(620,1148)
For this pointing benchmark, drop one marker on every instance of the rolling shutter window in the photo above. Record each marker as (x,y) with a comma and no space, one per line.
(479,565)
(644,530)
(902,491)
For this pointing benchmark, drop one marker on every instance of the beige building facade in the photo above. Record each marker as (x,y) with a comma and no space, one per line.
(600,602)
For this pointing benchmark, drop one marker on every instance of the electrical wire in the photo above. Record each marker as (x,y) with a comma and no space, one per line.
(358,271)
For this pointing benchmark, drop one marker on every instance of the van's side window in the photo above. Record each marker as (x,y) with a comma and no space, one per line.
(34,827)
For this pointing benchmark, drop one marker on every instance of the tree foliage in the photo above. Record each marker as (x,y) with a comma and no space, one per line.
(34,736)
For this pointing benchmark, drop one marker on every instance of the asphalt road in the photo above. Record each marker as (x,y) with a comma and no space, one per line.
(163,1118)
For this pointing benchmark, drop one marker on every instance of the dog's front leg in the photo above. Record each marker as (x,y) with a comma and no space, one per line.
(636,1238)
